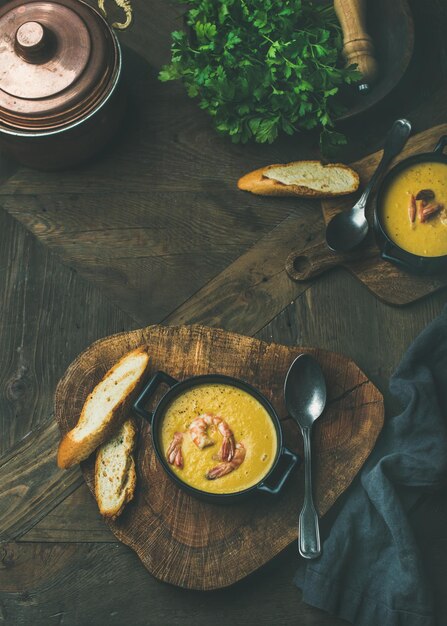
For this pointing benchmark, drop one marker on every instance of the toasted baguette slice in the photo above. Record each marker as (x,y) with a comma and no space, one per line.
(115,475)
(309,179)
(104,409)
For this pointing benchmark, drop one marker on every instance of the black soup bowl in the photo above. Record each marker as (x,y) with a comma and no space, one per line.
(389,250)
(284,457)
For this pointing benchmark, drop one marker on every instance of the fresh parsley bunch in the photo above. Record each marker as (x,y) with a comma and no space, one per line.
(260,67)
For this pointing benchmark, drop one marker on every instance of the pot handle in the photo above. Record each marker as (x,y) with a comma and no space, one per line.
(393,257)
(148,390)
(292,460)
(441,144)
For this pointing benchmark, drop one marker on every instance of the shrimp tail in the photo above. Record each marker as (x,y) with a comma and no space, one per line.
(178,461)
(218,471)
(227,448)
(227,466)
(174,452)
(228,444)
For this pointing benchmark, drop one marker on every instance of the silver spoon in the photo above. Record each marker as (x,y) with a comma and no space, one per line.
(305,396)
(348,229)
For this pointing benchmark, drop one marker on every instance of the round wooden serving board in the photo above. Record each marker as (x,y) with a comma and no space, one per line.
(197,545)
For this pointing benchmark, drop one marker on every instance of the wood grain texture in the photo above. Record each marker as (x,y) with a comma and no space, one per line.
(105,585)
(339,314)
(161,207)
(40,335)
(384,279)
(24,501)
(75,520)
(184,541)
(255,287)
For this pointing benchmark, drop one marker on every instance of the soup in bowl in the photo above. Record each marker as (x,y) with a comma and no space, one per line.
(217,437)
(414,209)
(411,212)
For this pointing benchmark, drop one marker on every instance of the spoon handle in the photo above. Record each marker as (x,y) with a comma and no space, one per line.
(309,532)
(394,142)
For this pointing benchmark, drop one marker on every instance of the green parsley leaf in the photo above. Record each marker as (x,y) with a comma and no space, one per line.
(260,68)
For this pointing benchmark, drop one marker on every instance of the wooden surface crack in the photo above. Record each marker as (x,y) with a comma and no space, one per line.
(346,393)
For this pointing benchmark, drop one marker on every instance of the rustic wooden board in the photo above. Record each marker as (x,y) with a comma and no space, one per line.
(388,282)
(183,541)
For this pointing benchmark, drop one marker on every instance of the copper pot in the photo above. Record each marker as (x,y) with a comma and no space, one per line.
(60,70)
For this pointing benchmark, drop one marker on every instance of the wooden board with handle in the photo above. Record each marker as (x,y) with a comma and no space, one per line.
(197,545)
(386,281)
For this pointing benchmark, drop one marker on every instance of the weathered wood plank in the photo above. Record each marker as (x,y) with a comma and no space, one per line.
(338,313)
(166,144)
(48,315)
(70,584)
(160,229)
(255,288)
(23,501)
(40,332)
(150,31)
(75,520)
(103,584)
(130,253)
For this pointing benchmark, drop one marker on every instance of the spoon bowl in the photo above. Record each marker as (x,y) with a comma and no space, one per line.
(347,230)
(305,390)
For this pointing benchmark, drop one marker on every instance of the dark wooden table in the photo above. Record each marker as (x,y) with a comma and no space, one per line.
(155,231)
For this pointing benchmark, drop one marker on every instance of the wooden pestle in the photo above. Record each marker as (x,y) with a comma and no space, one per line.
(358,47)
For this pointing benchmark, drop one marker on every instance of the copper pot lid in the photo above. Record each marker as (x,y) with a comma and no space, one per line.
(58,62)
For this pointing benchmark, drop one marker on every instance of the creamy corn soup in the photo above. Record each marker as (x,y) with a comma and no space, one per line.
(249,422)
(425,238)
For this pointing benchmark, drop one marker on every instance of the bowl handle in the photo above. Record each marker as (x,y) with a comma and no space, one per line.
(292,460)
(441,144)
(148,390)
(393,257)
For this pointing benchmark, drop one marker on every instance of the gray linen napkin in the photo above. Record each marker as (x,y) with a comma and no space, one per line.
(370,572)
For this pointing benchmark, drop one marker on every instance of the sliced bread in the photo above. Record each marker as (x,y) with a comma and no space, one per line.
(115,475)
(104,409)
(309,179)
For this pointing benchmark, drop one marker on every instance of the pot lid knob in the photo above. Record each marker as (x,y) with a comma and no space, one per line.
(32,42)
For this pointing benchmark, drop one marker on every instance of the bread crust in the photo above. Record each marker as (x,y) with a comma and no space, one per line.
(131,479)
(72,451)
(256,182)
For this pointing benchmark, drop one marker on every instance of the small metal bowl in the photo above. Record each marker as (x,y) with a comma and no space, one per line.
(286,457)
(389,250)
